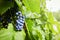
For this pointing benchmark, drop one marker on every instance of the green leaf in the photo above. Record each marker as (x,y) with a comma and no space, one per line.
(11,34)
(33,5)
(6,34)
(19,35)
(29,24)
(33,15)
(4,6)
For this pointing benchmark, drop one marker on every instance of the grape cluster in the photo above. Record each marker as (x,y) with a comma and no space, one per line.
(19,21)
(13,16)
(5,19)
(9,17)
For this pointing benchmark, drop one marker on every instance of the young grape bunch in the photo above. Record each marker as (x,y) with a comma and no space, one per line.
(19,21)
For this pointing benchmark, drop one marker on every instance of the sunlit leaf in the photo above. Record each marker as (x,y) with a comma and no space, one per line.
(33,5)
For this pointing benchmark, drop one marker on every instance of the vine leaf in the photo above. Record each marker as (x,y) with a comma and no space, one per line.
(33,5)
(4,6)
(11,34)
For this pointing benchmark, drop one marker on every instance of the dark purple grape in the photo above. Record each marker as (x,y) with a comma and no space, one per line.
(0,18)
(10,0)
(18,13)
(5,24)
(9,20)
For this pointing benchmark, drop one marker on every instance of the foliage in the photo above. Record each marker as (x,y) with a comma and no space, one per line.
(4,6)
(57,15)
(40,24)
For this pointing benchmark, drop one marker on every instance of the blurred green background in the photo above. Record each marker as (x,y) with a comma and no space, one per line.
(40,24)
